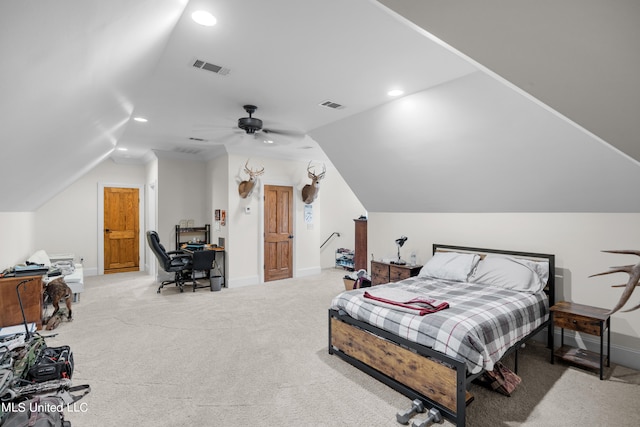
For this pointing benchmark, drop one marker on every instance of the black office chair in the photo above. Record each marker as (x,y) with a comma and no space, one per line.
(176,262)
(203,262)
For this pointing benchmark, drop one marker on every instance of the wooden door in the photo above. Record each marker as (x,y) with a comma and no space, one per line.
(121,230)
(278,232)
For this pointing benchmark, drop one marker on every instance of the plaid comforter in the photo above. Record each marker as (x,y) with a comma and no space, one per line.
(480,325)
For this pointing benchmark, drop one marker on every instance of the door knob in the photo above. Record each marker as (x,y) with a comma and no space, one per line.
(291,236)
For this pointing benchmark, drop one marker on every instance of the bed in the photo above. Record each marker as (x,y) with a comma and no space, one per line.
(429,336)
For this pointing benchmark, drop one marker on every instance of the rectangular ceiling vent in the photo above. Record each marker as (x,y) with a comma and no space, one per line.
(187,150)
(208,66)
(331,104)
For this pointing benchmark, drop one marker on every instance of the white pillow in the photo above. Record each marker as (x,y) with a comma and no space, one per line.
(40,257)
(450,266)
(509,273)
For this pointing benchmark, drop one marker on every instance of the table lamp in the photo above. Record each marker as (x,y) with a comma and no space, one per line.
(400,242)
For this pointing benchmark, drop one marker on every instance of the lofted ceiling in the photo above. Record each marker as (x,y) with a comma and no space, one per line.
(76,72)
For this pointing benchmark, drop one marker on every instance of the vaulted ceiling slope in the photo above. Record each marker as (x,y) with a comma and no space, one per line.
(75,73)
(70,71)
(479,144)
(580,57)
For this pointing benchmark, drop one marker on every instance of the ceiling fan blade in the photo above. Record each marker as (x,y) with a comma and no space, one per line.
(284,132)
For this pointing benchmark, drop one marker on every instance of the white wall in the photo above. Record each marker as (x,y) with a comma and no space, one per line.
(218,194)
(17,237)
(151,211)
(69,221)
(340,207)
(182,194)
(246,231)
(576,239)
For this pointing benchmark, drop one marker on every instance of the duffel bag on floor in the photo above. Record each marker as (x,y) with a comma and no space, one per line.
(52,363)
(45,411)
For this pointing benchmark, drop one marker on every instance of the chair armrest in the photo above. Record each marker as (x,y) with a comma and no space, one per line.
(177,252)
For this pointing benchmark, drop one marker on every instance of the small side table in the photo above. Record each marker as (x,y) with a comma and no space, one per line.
(384,272)
(582,318)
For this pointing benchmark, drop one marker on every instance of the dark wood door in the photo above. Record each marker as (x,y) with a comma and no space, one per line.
(278,232)
(121,230)
(360,258)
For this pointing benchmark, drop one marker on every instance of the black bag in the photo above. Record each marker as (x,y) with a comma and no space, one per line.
(44,411)
(53,363)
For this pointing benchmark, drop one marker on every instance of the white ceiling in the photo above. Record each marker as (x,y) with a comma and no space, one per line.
(76,72)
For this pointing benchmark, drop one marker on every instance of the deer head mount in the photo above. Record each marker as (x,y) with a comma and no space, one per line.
(634,280)
(246,187)
(310,191)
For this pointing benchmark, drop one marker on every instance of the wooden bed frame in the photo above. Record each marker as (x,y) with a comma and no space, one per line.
(415,370)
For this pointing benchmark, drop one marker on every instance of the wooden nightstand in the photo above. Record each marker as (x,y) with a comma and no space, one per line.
(384,272)
(582,318)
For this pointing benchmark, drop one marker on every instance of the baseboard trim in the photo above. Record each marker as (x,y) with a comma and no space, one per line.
(242,281)
(312,271)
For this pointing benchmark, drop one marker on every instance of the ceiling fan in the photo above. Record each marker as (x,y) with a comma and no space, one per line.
(249,127)
(251,124)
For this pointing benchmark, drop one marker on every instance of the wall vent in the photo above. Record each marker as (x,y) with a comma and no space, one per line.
(187,150)
(208,66)
(331,104)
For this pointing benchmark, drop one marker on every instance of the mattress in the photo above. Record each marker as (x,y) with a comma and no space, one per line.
(480,324)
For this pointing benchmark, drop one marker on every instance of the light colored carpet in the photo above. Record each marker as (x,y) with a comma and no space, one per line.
(257,356)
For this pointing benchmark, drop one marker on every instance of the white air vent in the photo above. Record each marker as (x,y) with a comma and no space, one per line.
(331,104)
(208,66)
(186,150)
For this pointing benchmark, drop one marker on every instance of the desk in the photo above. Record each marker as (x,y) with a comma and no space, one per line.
(31,295)
(205,260)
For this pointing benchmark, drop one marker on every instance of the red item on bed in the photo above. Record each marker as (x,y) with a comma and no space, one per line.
(421,305)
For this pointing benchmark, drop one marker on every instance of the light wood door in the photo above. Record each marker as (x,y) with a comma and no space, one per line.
(121,230)
(278,234)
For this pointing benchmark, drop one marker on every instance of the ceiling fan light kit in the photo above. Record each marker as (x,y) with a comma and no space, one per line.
(250,124)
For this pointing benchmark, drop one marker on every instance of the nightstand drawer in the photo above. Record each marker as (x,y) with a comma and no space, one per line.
(379,273)
(577,323)
(398,273)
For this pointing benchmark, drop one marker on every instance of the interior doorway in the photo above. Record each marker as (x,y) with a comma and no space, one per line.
(121,229)
(278,232)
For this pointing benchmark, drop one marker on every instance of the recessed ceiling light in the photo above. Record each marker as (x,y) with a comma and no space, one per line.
(140,119)
(395,92)
(268,141)
(122,149)
(203,17)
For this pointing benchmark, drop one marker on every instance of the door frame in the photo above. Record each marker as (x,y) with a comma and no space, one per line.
(261,227)
(141,227)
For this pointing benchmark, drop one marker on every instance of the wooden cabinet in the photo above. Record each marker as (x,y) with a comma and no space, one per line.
(360,256)
(31,295)
(587,319)
(383,272)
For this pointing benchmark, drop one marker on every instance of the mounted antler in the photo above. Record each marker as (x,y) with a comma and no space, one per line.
(634,280)
(246,187)
(310,191)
